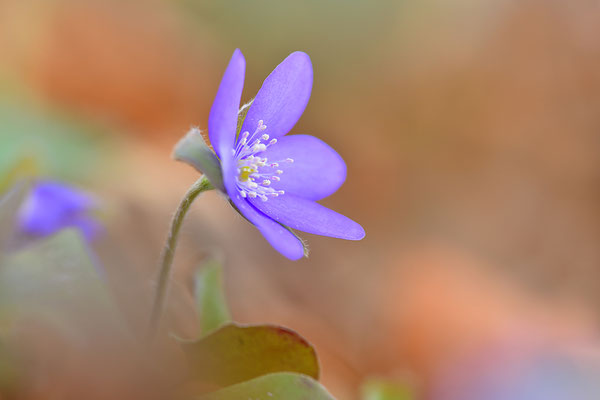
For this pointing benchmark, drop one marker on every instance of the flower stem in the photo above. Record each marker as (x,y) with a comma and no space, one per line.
(168,253)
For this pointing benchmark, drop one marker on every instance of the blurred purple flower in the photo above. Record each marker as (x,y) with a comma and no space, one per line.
(522,371)
(272,179)
(51,206)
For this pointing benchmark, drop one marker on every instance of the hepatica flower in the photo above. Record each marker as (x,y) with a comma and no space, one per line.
(51,206)
(274,180)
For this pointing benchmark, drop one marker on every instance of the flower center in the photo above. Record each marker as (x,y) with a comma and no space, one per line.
(254,173)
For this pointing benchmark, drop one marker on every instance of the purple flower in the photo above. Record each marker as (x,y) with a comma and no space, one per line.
(52,206)
(272,179)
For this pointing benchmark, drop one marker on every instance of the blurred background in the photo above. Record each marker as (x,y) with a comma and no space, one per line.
(471,131)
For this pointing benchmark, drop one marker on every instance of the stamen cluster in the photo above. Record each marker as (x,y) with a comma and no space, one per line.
(255,173)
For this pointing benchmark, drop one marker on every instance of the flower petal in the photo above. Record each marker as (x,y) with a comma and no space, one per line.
(280,238)
(316,172)
(308,216)
(222,120)
(283,96)
(52,206)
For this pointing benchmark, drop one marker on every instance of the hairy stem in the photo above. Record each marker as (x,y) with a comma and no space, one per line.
(168,253)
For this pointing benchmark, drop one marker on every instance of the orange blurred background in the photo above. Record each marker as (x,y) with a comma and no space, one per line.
(470,129)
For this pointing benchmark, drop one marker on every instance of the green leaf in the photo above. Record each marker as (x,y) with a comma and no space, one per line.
(193,150)
(234,354)
(379,389)
(210,297)
(278,386)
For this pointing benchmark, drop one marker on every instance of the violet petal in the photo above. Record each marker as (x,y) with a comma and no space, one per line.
(222,120)
(316,172)
(308,216)
(52,206)
(280,238)
(283,96)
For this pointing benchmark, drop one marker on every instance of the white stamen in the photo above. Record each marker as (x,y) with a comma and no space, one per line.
(257,172)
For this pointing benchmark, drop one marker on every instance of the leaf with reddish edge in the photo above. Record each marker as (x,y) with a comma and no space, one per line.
(234,354)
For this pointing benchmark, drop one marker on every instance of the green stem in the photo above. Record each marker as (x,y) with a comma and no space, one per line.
(168,253)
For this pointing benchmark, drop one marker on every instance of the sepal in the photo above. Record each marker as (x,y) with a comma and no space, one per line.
(193,150)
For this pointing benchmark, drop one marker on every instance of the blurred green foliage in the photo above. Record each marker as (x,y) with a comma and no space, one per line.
(212,305)
(269,30)
(36,141)
(56,278)
(379,389)
(9,206)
